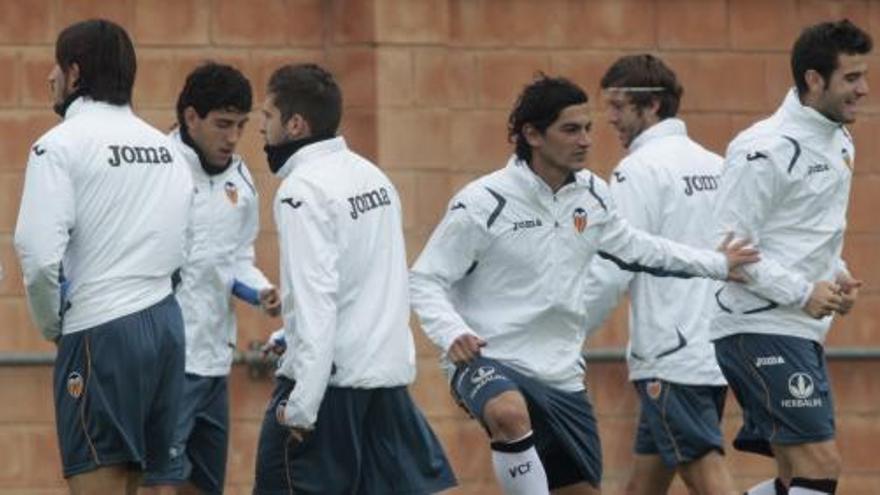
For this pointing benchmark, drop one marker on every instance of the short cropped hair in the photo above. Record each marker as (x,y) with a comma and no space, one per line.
(540,104)
(819,46)
(105,56)
(648,79)
(214,86)
(310,91)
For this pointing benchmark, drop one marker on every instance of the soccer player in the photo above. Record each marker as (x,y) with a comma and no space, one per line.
(212,111)
(786,184)
(666,185)
(104,211)
(499,288)
(341,419)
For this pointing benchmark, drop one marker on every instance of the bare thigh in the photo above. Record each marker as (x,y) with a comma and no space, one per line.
(649,476)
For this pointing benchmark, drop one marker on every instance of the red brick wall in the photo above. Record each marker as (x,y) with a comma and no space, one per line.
(428,84)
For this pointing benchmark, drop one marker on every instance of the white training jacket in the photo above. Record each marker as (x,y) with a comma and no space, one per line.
(220,258)
(667,186)
(507,263)
(106,200)
(786,186)
(343,277)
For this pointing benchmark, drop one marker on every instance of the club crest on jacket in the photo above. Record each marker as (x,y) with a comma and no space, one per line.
(231,192)
(580,219)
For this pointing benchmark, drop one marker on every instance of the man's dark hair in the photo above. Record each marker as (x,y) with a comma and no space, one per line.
(540,104)
(818,47)
(311,91)
(214,86)
(105,56)
(657,80)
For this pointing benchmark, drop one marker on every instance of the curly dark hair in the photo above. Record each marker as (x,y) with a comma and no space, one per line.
(540,104)
(214,86)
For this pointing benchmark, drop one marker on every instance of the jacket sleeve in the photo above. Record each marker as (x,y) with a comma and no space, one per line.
(454,248)
(249,280)
(753,180)
(311,253)
(637,251)
(636,199)
(45,219)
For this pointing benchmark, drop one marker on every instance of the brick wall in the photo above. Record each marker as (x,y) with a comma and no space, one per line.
(428,84)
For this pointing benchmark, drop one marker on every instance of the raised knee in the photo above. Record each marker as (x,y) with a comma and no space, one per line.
(507,418)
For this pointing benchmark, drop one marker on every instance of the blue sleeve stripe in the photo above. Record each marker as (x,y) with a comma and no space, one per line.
(246,293)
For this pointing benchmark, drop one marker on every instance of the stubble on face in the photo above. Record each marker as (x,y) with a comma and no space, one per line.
(843,92)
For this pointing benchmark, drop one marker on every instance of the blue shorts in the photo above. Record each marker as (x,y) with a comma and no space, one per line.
(365,442)
(117,390)
(563,423)
(201,438)
(781,383)
(680,423)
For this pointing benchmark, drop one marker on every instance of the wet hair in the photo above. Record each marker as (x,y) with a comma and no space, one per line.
(214,86)
(310,91)
(540,104)
(819,46)
(657,80)
(105,56)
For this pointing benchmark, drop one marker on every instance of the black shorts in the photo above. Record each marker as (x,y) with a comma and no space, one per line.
(365,442)
(781,383)
(118,388)
(201,438)
(563,423)
(680,423)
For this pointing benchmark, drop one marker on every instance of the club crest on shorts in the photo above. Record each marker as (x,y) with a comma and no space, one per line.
(231,192)
(75,385)
(579,217)
(279,412)
(800,385)
(654,388)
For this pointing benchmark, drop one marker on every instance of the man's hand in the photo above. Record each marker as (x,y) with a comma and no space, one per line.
(738,253)
(276,345)
(824,300)
(849,292)
(465,348)
(297,433)
(270,301)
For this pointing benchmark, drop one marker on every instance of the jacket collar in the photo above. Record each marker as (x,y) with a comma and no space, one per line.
(521,171)
(807,117)
(314,151)
(195,160)
(85,104)
(664,128)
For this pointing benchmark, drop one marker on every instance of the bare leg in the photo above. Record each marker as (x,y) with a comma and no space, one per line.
(649,476)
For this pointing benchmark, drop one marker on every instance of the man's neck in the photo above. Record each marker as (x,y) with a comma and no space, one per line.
(554,177)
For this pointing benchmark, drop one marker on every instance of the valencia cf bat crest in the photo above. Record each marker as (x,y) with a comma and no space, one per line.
(654,388)
(75,385)
(231,192)
(580,219)
(847,158)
